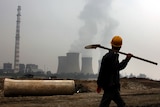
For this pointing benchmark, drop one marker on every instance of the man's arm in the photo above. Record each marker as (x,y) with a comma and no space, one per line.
(124,63)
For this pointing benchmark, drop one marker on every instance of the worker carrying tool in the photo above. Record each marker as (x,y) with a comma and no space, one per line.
(109,77)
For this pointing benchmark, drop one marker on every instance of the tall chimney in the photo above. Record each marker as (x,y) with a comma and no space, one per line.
(62,64)
(73,63)
(16,57)
(87,65)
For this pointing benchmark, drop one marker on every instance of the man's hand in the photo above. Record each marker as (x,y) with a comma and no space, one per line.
(129,55)
(98,89)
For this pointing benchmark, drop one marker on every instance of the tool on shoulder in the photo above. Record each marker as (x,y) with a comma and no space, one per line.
(94,46)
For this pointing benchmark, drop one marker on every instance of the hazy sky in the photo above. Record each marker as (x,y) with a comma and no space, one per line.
(51,28)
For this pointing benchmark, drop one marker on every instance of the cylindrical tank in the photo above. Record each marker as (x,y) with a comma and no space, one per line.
(38,87)
(99,64)
(62,64)
(87,65)
(73,63)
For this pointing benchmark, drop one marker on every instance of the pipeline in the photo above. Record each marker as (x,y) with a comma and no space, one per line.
(38,87)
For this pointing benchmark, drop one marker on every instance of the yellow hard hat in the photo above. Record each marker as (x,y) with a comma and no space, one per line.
(116,41)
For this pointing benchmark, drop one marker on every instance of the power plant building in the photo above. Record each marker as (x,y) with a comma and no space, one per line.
(7,67)
(62,64)
(22,68)
(30,67)
(71,64)
(87,65)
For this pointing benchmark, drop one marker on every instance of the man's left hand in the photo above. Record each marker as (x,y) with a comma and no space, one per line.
(98,89)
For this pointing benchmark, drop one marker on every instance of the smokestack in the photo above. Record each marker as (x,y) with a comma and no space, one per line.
(73,63)
(62,64)
(87,65)
(16,57)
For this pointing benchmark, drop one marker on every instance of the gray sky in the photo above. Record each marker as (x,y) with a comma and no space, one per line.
(51,28)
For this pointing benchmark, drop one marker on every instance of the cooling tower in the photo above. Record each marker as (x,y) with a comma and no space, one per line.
(99,64)
(73,63)
(87,65)
(62,64)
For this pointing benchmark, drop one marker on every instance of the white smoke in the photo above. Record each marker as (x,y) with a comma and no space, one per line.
(97,20)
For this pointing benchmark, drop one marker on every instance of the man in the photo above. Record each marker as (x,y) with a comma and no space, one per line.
(109,78)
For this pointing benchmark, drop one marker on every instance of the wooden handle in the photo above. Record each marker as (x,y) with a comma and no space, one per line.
(132,56)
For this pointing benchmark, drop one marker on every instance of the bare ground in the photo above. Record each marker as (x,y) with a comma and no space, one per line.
(135,92)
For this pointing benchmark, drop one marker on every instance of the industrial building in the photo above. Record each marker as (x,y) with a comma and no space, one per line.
(71,64)
(87,65)
(28,68)
(7,67)
(22,68)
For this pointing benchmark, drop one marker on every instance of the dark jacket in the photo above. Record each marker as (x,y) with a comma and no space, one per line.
(109,77)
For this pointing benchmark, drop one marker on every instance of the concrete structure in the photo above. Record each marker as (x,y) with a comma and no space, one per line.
(62,64)
(16,57)
(38,87)
(22,68)
(73,63)
(87,65)
(69,63)
(30,67)
(7,67)
(99,64)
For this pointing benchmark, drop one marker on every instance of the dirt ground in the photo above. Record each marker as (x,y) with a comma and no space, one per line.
(135,92)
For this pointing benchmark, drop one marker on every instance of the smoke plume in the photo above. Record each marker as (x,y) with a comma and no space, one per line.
(97,22)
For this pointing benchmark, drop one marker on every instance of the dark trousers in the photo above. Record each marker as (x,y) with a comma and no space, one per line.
(110,95)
